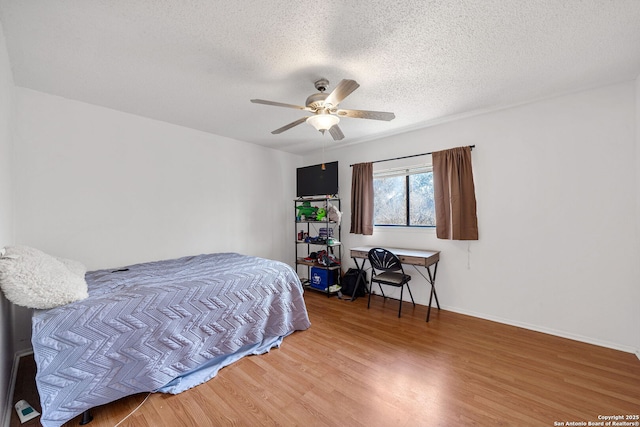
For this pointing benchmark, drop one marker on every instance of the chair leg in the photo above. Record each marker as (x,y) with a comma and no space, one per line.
(400,308)
(369,300)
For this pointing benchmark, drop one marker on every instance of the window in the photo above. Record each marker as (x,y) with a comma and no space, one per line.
(404,197)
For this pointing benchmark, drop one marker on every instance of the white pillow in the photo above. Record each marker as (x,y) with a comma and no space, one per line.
(31,278)
(76,267)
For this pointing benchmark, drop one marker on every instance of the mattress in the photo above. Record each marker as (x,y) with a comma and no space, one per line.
(161,326)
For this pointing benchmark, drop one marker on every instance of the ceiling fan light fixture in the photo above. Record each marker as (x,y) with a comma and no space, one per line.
(323,122)
(325,109)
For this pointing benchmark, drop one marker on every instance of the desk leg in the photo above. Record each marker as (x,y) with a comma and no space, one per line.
(432,282)
(359,267)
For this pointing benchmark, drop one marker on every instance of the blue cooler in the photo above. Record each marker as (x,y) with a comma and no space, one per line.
(321,278)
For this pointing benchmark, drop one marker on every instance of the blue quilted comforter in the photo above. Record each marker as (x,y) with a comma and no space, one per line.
(161,326)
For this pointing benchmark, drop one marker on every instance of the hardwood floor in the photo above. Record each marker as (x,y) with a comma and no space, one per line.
(359,367)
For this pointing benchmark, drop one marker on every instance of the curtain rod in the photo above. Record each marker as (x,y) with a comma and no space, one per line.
(407,157)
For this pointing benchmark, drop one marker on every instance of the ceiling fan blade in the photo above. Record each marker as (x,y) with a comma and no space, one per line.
(290,125)
(336,133)
(363,114)
(279,104)
(344,89)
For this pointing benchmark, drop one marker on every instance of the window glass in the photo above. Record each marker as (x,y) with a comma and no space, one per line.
(422,209)
(404,197)
(390,201)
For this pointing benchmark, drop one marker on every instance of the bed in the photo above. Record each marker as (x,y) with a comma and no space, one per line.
(162,326)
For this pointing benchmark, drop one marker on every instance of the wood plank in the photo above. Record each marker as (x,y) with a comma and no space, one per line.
(360,367)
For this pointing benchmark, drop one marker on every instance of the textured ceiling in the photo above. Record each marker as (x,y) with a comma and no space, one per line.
(198,63)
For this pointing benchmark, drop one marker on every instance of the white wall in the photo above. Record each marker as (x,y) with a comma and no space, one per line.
(557,190)
(637,297)
(6,217)
(110,188)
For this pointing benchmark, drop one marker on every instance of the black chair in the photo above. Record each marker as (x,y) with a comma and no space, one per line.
(387,270)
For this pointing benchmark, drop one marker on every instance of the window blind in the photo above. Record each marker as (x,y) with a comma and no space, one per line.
(403,171)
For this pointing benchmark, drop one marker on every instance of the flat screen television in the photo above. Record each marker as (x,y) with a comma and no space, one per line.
(314,181)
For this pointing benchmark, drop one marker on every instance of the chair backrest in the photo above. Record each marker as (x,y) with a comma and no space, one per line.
(384,260)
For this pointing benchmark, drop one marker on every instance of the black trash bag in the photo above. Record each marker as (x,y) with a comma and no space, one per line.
(349,282)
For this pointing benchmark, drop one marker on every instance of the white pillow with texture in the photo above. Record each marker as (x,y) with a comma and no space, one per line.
(31,278)
(76,267)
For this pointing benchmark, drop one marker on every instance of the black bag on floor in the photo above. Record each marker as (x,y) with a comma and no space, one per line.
(349,282)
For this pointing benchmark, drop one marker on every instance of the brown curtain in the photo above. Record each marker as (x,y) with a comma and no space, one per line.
(454,195)
(362,198)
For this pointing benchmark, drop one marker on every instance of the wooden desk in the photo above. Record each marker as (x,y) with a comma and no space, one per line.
(415,257)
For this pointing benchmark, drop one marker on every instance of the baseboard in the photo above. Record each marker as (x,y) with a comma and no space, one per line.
(12,384)
(549,331)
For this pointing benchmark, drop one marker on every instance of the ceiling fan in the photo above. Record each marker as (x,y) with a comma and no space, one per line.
(326,114)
